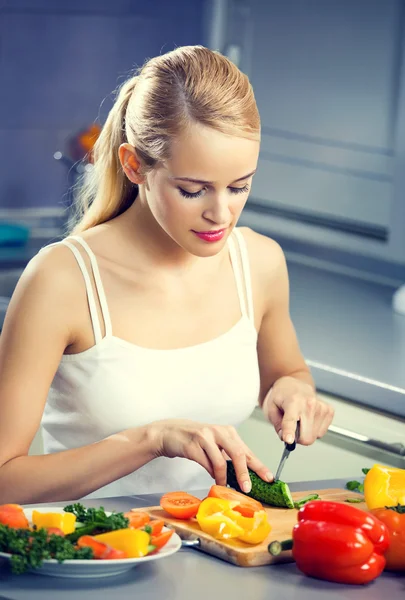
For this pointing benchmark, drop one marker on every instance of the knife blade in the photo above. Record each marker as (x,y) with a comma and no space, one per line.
(288,448)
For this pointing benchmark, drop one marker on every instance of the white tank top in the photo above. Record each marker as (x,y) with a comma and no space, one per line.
(116,385)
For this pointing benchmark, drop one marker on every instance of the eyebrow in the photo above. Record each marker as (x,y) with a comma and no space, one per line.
(202,181)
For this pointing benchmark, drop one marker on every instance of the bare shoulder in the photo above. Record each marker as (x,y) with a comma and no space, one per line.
(266,257)
(50,284)
(54,267)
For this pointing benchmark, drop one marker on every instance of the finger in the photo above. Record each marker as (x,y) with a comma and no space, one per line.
(258,467)
(217,461)
(275,417)
(197,454)
(235,450)
(291,417)
(252,461)
(326,422)
(307,422)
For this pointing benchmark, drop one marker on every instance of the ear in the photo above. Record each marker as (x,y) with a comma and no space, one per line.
(130,163)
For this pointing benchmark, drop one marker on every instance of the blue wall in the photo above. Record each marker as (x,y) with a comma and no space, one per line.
(58,61)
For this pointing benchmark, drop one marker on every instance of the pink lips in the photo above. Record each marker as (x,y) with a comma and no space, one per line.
(210,236)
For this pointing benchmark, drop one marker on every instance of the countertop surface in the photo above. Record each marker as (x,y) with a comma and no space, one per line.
(192,575)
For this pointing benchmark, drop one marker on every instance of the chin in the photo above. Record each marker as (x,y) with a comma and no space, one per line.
(206,249)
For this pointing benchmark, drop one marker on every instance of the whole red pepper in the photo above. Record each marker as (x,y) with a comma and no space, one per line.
(338,542)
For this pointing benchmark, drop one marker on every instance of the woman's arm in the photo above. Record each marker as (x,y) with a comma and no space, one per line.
(287,389)
(39,325)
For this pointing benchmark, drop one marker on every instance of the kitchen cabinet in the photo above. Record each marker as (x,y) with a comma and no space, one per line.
(329,80)
(341,453)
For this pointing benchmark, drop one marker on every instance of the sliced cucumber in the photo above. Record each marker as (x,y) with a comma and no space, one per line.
(274,494)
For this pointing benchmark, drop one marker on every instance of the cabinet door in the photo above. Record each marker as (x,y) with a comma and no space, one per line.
(329,81)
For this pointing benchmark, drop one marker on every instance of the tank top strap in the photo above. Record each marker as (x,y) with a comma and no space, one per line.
(237,274)
(242,274)
(99,284)
(89,289)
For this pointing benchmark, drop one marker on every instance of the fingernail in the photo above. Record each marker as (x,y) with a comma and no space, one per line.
(290,439)
(247,486)
(269,476)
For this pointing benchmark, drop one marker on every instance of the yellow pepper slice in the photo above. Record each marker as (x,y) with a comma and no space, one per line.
(255,529)
(134,542)
(212,519)
(63,521)
(384,486)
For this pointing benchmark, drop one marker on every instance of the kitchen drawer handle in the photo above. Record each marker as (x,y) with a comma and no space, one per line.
(396,448)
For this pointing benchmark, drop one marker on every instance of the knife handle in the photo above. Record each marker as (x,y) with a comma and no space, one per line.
(291,447)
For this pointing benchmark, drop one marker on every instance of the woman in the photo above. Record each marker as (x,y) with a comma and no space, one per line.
(156,328)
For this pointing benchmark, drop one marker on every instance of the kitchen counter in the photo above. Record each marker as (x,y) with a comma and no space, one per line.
(190,574)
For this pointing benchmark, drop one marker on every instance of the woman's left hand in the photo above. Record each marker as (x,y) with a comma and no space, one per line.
(291,400)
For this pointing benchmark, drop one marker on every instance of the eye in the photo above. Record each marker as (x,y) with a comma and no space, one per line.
(186,194)
(237,190)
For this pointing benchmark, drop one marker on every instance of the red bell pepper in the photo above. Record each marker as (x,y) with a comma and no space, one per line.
(338,542)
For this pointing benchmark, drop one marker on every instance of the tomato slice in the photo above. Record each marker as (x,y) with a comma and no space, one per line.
(161,540)
(247,506)
(137,519)
(156,526)
(180,505)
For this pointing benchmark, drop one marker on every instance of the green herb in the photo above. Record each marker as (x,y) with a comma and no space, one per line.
(355,486)
(354,500)
(148,529)
(303,501)
(29,549)
(94,519)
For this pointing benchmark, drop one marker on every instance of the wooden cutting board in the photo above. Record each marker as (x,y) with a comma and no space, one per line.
(238,553)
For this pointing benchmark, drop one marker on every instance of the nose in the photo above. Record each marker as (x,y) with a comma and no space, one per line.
(218,210)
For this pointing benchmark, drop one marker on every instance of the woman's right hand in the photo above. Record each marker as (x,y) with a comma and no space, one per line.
(209,446)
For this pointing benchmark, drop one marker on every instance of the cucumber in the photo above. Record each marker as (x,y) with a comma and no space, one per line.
(274,494)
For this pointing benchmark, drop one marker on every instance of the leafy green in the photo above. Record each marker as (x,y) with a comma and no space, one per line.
(303,501)
(354,500)
(94,520)
(355,486)
(30,548)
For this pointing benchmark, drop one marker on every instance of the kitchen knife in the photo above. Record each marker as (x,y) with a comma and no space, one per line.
(286,452)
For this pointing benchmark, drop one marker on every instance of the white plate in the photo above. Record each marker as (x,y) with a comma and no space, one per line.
(96,568)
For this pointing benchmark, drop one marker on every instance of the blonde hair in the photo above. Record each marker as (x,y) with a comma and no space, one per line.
(191,84)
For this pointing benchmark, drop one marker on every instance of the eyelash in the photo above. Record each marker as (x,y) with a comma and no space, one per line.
(233,190)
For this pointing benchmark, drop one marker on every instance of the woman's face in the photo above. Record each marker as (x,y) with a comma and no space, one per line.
(198,195)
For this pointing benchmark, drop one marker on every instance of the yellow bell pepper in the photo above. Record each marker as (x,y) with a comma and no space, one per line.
(63,521)
(217,517)
(134,542)
(255,529)
(384,486)
(212,519)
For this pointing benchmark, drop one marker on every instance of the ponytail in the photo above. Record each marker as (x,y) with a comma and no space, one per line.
(106,191)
